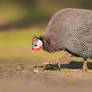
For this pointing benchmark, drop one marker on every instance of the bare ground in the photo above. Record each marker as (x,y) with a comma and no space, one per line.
(25,80)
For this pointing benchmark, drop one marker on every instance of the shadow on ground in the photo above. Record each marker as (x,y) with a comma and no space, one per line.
(76,65)
(71,65)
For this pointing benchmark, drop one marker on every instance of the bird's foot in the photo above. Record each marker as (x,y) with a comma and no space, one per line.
(51,65)
(85,68)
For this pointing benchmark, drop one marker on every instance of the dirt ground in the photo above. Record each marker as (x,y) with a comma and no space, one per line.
(66,80)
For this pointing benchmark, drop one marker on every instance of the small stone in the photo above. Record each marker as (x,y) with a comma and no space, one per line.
(36,71)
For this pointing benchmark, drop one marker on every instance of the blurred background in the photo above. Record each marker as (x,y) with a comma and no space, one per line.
(20,20)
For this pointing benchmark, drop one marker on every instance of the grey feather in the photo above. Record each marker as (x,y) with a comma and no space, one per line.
(71,29)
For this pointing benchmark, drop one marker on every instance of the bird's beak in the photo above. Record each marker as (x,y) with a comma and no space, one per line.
(32,50)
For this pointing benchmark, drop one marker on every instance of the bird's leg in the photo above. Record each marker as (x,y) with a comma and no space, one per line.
(58,65)
(56,62)
(85,64)
(61,59)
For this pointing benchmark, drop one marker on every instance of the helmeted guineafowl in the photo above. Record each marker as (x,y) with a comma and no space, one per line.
(69,30)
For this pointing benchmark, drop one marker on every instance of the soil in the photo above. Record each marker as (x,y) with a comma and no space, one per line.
(26,80)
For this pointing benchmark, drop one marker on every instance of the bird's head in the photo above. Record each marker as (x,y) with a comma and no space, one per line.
(36,44)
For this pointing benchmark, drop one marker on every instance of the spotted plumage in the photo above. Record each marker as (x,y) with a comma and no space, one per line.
(70,30)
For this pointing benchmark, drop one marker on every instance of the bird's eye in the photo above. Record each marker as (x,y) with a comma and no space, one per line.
(35,45)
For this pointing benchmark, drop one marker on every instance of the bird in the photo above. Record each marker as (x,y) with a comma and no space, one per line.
(69,29)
